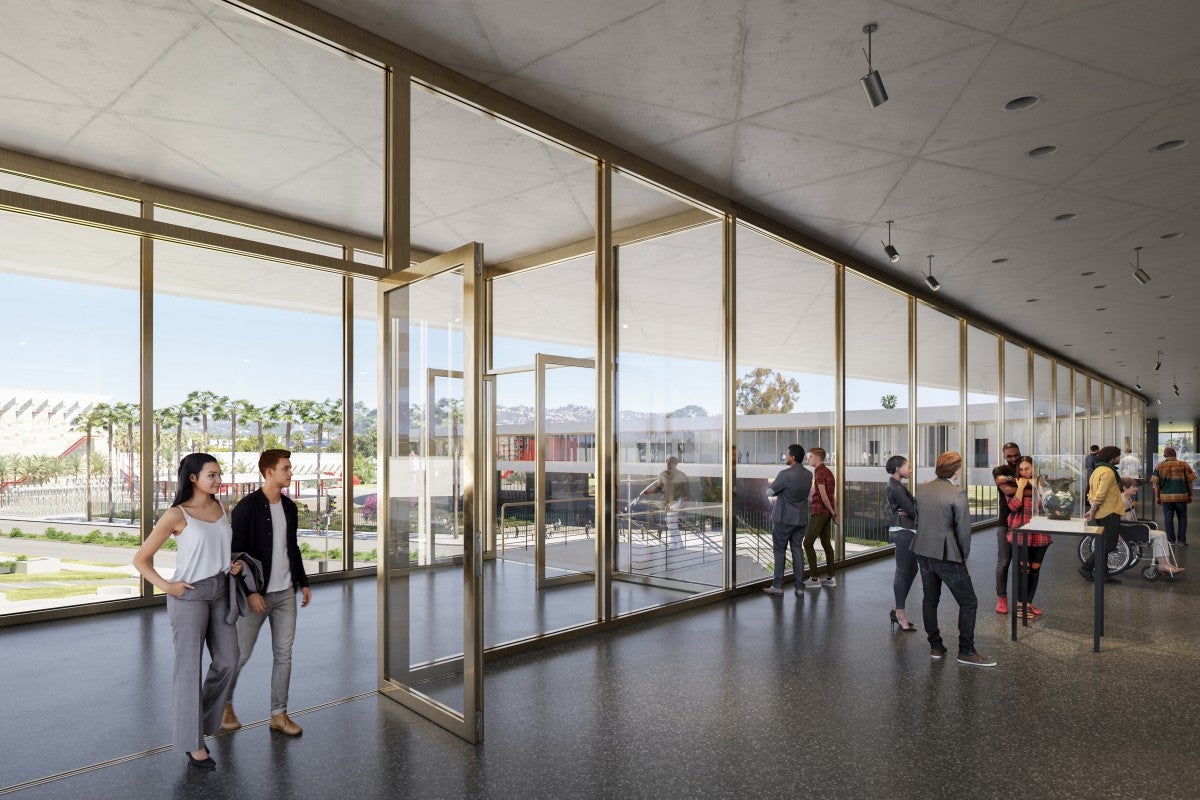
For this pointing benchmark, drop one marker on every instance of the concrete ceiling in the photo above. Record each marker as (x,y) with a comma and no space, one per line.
(757,99)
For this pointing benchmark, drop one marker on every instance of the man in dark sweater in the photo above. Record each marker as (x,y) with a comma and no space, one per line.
(264,525)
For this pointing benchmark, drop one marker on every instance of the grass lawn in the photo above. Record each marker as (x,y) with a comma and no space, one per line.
(62,577)
(48,592)
(92,563)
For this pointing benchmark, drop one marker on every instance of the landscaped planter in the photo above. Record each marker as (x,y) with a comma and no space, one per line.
(39,566)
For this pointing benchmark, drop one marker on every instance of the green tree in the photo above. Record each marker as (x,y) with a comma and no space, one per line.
(761,391)
(259,416)
(202,404)
(689,412)
(87,421)
(233,410)
(289,412)
(162,418)
(106,416)
(127,415)
(888,401)
(326,413)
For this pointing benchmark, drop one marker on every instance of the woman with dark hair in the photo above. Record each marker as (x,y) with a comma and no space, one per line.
(902,513)
(1020,512)
(197,602)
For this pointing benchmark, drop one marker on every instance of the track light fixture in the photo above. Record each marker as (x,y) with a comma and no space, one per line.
(871,82)
(1175,386)
(1137,384)
(1158,363)
(931,281)
(1140,275)
(1159,400)
(892,253)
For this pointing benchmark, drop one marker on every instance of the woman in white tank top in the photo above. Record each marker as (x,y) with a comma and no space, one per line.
(197,602)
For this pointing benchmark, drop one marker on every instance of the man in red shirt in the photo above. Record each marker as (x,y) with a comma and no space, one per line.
(820,522)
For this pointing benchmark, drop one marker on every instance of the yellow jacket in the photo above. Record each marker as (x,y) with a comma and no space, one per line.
(1104,491)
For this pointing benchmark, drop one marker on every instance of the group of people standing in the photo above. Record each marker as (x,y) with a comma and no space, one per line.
(232,573)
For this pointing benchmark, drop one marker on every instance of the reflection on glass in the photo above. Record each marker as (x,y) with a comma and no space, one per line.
(1063,409)
(272,379)
(786,369)
(1043,407)
(69,432)
(877,403)
(424,590)
(938,390)
(670,540)
(364,455)
(983,442)
(1016,396)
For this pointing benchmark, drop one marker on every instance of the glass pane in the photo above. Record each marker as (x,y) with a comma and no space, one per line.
(1043,406)
(267,318)
(424,590)
(1063,409)
(1016,395)
(69,435)
(785,392)
(877,404)
(670,541)
(364,455)
(983,405)
(938,389)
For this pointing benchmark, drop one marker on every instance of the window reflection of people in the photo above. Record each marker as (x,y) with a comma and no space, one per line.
(672,484)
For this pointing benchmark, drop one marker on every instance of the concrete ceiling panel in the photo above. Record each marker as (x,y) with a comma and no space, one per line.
(1068,91)
(993,16)
(680,54)
(797,50)
(920,96)
(801,160)
(1167,189)
(929,186)
(848,197)
(1153,41)
(1080,142)
(973,222)
(1134,154)
(41,129)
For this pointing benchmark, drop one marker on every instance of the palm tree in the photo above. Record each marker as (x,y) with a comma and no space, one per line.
(233,410)
(289,412)
(162,418)
(262,417)
(106,415)
(327,413)
(202,404)
(86,421)
(128,414)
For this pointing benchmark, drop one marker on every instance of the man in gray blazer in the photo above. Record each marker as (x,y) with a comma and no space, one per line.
(941,546)
(790,516)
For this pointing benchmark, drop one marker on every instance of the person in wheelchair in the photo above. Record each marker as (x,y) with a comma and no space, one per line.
(1160,548)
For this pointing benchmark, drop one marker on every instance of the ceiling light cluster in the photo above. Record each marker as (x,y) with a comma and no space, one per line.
(871,82)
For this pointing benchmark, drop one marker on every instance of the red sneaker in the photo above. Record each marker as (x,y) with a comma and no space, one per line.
(1002,605)
(1037,612)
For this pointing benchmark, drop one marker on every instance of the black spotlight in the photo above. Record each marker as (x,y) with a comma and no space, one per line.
(1140,275)
(1158,364)
(931,281)
(871,82)
(892,253)
(1137,384)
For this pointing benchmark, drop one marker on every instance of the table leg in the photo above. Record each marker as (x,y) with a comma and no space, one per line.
(1012,591)
(1099,573)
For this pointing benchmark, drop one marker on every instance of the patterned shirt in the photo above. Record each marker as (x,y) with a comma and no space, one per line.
(1174,479)
(1020,512)
(822,476)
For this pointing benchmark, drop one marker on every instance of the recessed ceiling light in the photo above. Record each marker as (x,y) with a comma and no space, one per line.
(1032,300)
(1165,296)
(1100,286)
(1022,103)
(1162,337)
(1112,349)
(1085,274)
(1172,236)
(999,260)
(1065,217)
(1043,151)
(1102,309)
(1106,333)
(1172,144)
(1066,345)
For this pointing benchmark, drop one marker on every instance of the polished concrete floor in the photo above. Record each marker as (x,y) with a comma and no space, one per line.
(757,697)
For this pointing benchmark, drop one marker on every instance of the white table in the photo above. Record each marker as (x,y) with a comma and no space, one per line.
(1066,527)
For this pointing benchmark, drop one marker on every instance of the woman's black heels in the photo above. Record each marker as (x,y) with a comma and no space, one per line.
(896,623)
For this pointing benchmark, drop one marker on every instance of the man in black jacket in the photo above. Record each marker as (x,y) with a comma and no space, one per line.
(264,525)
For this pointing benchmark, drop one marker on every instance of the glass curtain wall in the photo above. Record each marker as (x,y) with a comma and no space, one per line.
(1083,433)
(670,406)
(1043,406)
(1016,396)
(876,401)
(785,391)
(983,426)
(362,510)
(70,454)
(939,392)
(247,357)
(1063,407)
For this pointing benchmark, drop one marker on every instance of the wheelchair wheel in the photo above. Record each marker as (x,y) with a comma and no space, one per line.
(1151,573)
(1119,560)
